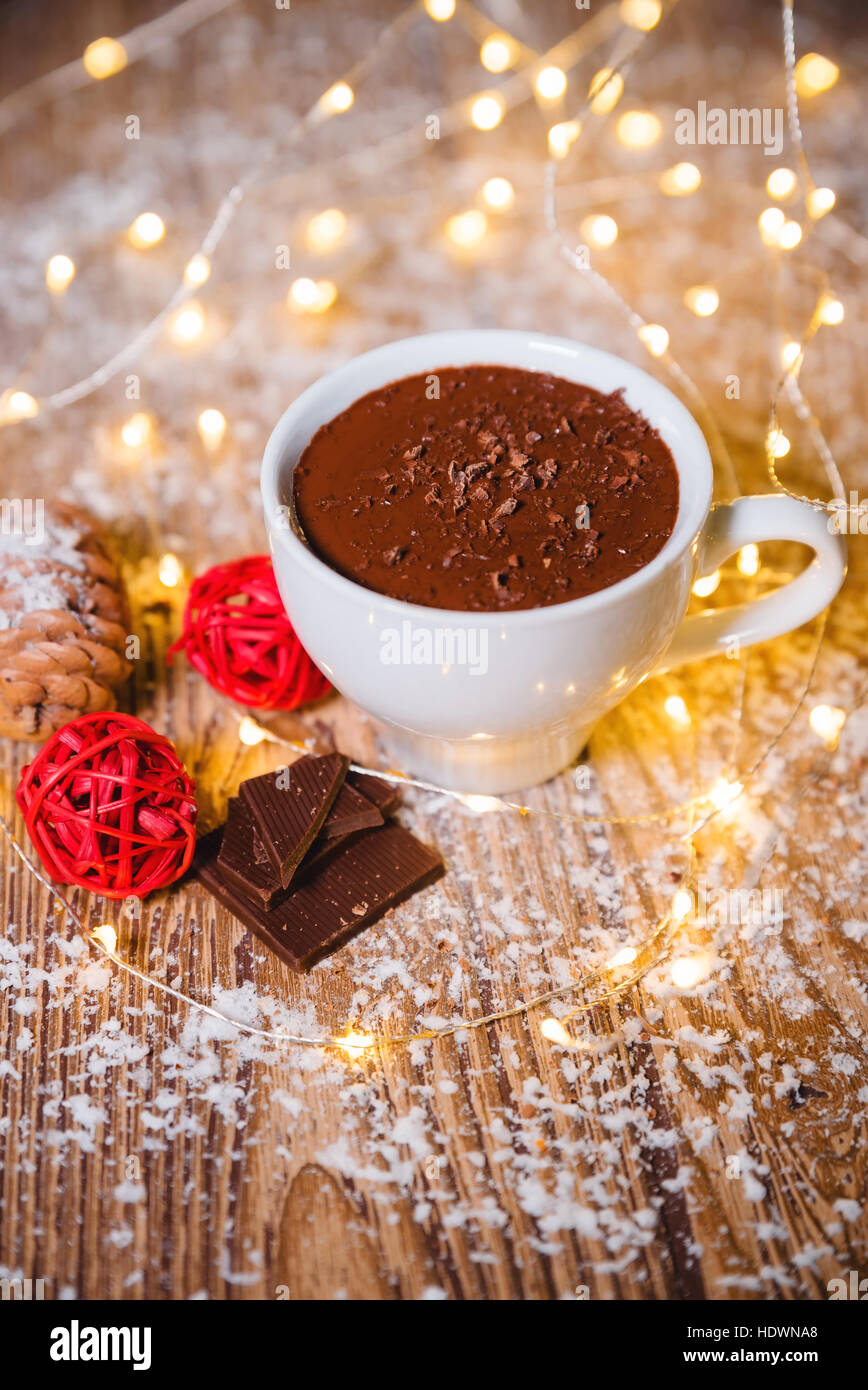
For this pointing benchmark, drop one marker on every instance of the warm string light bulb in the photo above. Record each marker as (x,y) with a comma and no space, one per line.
(605,91)
(487,110)
(748,561)
(498,193)
(625,956)
(724,793)
(554,1031)
(250,733)
(599,230)
(467,228)
(211,425)
(498,53)
(815,74)
(682,905)
(337,99)
(820,201)
(790,354)
(197,270)
(354,1043)
(137,431)
(18,405)
(778,230)
(777,444)
(187,324)
(170,570)
(59,272)
(789,236)
(691,970)
(781,183)
(441,10)
(654,337)
(475,801)
(325,229)
(638,130)
(830,310)
(308,296)
(148,229)
(551,83)
(104,57)
(771,222)
(702,300)
(106,936)
(640,14)
(827,721)
(705,586)
(681,180)
(677,710)
(562,136)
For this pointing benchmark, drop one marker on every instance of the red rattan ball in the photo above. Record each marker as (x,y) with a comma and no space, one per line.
(237,635)
(109,806)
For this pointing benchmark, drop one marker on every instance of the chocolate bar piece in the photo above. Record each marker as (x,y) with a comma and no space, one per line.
(320,852)
(382,797)
(244,862)
(290,818)
(385,795)
(361,881)
(351,811)
(242,857)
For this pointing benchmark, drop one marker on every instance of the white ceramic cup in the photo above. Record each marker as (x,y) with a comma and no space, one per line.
(493,702)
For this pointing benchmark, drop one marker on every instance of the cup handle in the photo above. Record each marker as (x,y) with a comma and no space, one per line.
(731,525)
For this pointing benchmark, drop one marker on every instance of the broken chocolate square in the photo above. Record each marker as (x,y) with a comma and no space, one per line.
(242,857)
(352,810)
(374,872)
(385,795)
(290,817)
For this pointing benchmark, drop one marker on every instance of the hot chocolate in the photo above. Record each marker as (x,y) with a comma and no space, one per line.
(486,488)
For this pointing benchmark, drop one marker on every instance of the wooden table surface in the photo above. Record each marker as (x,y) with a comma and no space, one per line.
(706,1140)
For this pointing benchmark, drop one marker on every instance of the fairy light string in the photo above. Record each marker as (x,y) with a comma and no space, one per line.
(732,789)
(17,405)
(251,732)
(527,79)
(331,102)
(634,25)
(651,952)
(789,379)
(653,336)
(105,57)
(658,345)
(104,938)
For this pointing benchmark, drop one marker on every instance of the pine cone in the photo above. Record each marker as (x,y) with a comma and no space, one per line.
(63,625)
